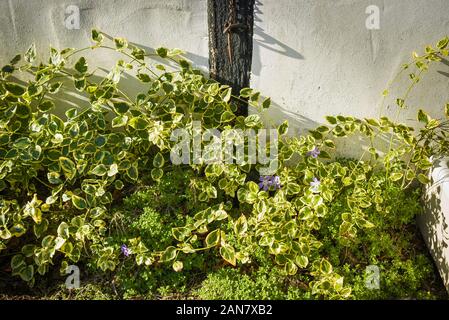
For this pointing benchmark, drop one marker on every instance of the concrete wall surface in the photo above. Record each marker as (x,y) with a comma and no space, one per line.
(149,23)
(317,57)
(434,222)
(313,57)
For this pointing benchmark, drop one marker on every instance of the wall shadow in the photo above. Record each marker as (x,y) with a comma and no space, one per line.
(434,222)
(263,40)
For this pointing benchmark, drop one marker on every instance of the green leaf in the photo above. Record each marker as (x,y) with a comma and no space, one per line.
(423,179)
(433,123)
(168,254)
(220,215)
(302,261)
(27,273)
(144,77)
(246,92)
(113,170)
(46,105)
(22,143)
(425,164)
(395,176)
(325,267)
(227,116)
(442,44)
(251,197)
(100,141)
(36,214)
(63,230)
(16,59)
(132,172)
(291,268)
(138,53)
(331,120)
(34,90)
(180,233)
(97,36)
(8,69)
(423,117)
(80,84)
(162,52)
(283,128)
(158,160)
(119,121)
(47,241)
(346,216)
(157,173)
(373,122)
(167,87)
(317,135)
(252,120)
(228,253)
(324,155)
(120,43)
(329,144)
(14,89)
(213,238)
(39,229)
(79,202)
(30,55)
(241,226)
(54,88)
(400,102)
(138,123)
(28,250)
(266,103)
(177,266)
(81,65)
(68,166)
(17,261)
(55,57)
(253,187)
(213,170)
(99,170)
(226,95)
(362,222)
(23,111)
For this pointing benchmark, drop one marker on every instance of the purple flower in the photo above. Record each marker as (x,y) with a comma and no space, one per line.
(276,182)
(315,183)
(268,181)
(125,250)
(314,153)
(265,182)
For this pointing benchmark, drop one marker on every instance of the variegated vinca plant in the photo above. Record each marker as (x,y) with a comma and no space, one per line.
(60,175)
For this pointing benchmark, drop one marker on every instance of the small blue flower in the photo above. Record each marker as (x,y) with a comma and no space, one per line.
(125,250)
(265,182)
(276,182)
(314,153)
(269,181)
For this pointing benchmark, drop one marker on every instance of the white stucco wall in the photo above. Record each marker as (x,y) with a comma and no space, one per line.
(316,57)
(146,23)
(434,222)
(149,23)
(313,57)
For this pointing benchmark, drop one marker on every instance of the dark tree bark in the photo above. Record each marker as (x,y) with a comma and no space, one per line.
(231,44)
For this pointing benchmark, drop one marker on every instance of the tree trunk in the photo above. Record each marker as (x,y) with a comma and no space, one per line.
(231,44)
